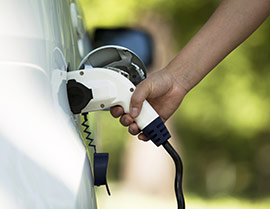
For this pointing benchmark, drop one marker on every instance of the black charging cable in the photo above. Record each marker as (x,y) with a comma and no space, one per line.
(161,129)
(157,132)
(178,174)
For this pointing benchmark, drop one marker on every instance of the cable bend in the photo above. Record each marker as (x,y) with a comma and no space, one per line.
(178,174)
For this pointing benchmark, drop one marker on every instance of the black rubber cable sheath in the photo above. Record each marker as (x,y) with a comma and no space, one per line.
(178,174)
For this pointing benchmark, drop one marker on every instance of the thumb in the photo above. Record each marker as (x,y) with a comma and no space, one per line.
(141,92)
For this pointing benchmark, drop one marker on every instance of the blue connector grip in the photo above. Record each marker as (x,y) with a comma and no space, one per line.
(157,131)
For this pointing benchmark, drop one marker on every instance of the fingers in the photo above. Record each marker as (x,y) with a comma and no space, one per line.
(134,130)
(143,137)
(117,111)
(126,120)
(140,94)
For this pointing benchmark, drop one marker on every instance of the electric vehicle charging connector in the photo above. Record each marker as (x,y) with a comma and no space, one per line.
(95,89)
(99,86)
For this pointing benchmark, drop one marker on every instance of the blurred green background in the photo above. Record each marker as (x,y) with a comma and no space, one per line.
(223,124)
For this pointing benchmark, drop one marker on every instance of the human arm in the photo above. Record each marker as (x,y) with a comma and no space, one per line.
(232,22)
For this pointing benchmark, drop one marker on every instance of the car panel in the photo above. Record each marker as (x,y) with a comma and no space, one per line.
(43,161)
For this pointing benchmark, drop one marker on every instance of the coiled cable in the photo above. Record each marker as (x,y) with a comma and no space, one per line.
(87,131)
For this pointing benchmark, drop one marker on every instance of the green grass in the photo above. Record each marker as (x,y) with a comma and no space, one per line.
(127,198)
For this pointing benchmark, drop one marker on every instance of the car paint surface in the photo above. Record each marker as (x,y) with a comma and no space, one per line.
(43,161)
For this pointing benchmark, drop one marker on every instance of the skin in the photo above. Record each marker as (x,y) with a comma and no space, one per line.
(230,25)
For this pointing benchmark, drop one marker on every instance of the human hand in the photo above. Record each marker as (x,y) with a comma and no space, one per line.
(165,89)
(161,90)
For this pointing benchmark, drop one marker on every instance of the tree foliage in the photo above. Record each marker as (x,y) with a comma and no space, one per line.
(224,122)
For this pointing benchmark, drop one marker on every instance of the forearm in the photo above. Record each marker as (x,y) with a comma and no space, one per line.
(229,26)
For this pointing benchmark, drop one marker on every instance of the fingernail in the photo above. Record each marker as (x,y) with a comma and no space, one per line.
(117,112)
(134,112)
(141,138)
(126,121)
(131,130)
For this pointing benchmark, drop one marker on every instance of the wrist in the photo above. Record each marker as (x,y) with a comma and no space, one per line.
(178,83)
(188,68)
(180,74)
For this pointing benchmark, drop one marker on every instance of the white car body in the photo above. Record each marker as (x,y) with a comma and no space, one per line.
(43,161)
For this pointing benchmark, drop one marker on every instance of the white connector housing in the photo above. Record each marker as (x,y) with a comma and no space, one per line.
(111,88)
